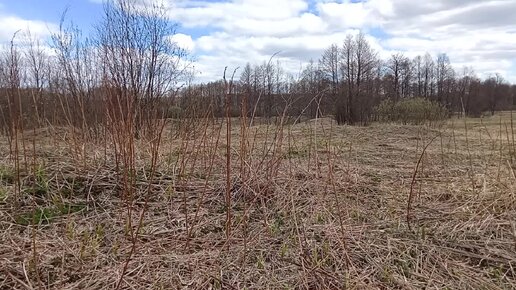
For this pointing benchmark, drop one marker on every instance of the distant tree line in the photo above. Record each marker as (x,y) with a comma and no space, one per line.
(129,72)
(349,80)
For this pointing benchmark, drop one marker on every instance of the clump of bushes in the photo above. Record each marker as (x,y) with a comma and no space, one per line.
(174,112)
(415,111)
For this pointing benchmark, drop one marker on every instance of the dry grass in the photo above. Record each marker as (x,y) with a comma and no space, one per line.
(314,206)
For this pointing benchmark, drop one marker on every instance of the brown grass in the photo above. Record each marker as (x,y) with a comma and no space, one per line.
(313,206)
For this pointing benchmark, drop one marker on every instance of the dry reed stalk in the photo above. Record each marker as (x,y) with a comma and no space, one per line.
(413,182)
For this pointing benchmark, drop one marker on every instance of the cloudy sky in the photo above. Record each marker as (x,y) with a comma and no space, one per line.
(481,34)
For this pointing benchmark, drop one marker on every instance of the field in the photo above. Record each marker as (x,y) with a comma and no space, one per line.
(311,205)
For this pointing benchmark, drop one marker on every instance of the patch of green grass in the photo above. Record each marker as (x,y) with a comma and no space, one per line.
(320,218)
(70,208)
(36,191)
(284,249)
(260,261)
(295,153)
(277,226)
(76,187)
(40,186)
(3,194)
(37,216)
(496,272)
(6,175)
(44,215)
(41,175)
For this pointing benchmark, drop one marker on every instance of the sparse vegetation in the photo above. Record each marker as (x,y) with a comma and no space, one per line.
(46,215)
(6,175)
(288,211)
(110,178)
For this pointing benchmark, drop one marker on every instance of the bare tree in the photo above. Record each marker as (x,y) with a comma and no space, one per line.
(329,65)
(358,64)
(77,70)
(443,71)
(498,92)
(406,77)
(37,67)
(465,84)
(139,57)
(417,64)
(428,76)
(345,111)
(309,82)
(396,66)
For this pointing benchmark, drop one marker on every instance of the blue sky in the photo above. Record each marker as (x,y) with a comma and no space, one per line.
(481,34)
(83,12)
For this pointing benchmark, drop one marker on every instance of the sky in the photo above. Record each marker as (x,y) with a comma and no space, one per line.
(480,34)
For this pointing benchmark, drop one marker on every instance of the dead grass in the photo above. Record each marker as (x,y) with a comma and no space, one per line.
(323,209)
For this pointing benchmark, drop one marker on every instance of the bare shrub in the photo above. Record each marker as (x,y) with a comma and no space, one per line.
(415,111)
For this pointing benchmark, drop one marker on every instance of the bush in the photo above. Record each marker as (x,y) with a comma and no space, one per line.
(174,112)
(415,111)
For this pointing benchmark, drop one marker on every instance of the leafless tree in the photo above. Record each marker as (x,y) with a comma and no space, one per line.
(38,68)
(417,64)
(443,73)
(465,86)
(406,77)
(139,57)
(497,91)
(358,64)
(428,75)
(329,65)
(397,66)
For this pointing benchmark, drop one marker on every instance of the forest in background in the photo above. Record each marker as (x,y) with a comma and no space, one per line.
(131,56)
(349,81)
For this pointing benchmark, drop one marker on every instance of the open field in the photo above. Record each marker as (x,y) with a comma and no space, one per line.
(313,206)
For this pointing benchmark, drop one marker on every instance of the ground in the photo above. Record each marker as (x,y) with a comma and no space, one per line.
(313,206)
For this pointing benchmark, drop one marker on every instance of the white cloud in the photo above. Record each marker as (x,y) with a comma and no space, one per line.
(201,13)
(481,34)
(347,14)
(305,23)
(184,41)
(9,25)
